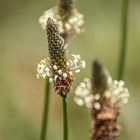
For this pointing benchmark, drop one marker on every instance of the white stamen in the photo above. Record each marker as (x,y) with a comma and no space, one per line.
(48,74)
(55,67)
(97,105)
(107,94)
(50,80)
(41,71)
(77,71)
(125,100)
(74,22)
(70,73)
(37,76)
(83,92)
(39,66)
(83,85)
(42,66)
(116,82)
(44,75)
(60,72)
(65,75)
(89,100)
(67,63)
(121,83)
(83,63)
(97,96)
(68,26)
(47,69)
(79,101)
(55,77)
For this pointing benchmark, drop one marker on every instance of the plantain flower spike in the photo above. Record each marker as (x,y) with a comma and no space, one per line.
(69,20)
(59,66)
(102,88)
(105,97)
(109,90)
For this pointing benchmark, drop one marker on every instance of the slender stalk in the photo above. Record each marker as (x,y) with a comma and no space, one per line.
(124,39)
(65,120)
(45,111)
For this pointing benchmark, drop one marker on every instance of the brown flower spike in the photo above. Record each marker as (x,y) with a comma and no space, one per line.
(104,97)
(58,59)
(58,67)
(104,125)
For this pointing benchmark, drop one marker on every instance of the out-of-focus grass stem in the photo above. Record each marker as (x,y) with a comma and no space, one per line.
(45,111)
(123,48)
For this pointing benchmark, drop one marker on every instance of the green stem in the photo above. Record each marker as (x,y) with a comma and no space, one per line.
(124,39)
(45,111)
(65,120)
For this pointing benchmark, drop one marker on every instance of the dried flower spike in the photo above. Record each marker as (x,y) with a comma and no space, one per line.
(107,96)
(58,67)
(68,19)
(112,94)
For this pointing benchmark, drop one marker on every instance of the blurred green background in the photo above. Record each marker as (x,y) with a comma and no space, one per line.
(23,45)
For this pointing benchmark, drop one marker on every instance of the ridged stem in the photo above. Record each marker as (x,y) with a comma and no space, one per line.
(45,111)
(124,39)
(65,120)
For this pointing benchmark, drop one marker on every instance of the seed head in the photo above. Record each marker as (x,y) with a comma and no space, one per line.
(105,98)
(68,19)
(102,88)
(58,67)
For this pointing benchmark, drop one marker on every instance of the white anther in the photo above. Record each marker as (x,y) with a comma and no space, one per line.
(65,75)
(97,96)
(107,94)
(77,71)
(97,105)
(83,63)
(60,72)
(55,67)
(70,73)
(50,80)
(47,69)
(37,76)
(48,74)
(55,77)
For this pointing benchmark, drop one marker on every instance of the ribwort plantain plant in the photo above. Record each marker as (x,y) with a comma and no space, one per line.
(59,66)
(105,97)
(69,22)
(106,108)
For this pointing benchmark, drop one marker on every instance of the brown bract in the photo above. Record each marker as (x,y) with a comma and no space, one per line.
(104,119)
(104,122)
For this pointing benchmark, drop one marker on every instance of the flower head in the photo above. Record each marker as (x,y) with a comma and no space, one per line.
(102,88)
(68,19)
(105,98)
(59,66)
